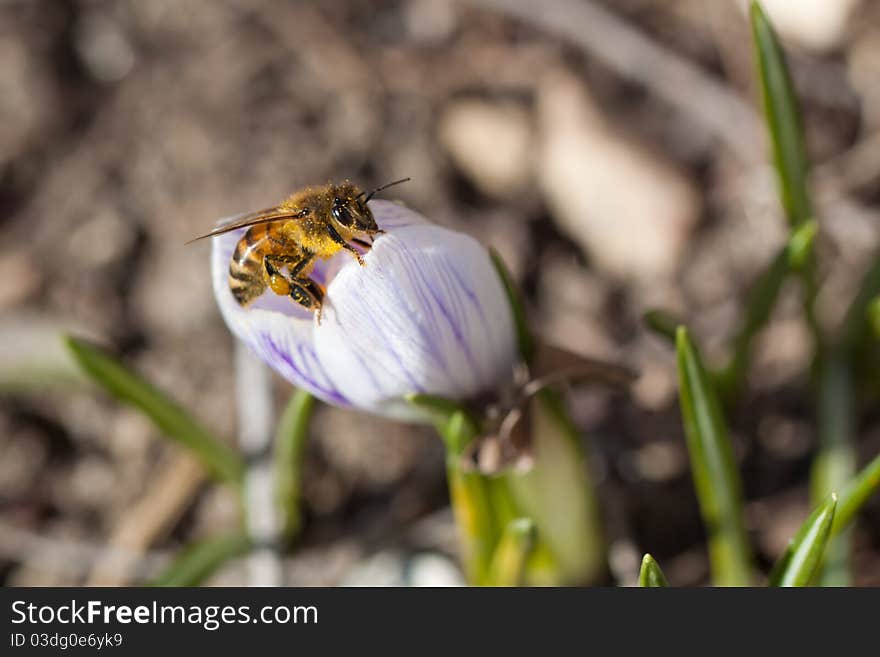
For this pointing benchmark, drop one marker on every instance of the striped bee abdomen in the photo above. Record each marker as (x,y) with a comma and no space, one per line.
(246,276)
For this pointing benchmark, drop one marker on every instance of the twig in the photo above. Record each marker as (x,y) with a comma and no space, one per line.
(153,516)
(254,399)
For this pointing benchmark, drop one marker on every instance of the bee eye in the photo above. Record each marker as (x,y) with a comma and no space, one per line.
(341,214)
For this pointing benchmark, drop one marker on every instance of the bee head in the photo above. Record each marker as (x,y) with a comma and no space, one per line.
(352,213)
(350,209)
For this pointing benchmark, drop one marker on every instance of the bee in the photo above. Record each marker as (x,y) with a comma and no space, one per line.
(282,243)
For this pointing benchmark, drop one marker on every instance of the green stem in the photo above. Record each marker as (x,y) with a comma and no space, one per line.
(762,297)
(472,507)
(470,493)
(290,442)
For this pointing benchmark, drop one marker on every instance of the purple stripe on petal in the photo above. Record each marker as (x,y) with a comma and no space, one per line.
(474,301)
(387,345)
(285,363)
(369,372)
(426,314)
(428,329)
(438,292)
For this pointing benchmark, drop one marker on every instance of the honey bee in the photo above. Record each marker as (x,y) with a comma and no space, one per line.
(316,222)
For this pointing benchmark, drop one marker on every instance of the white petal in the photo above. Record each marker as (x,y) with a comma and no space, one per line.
(276,329)
(426,314)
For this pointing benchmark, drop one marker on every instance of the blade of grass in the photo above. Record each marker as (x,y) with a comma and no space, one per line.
(523,333)
(788,145)
(803,556)
(173,421)
(783,119)
(194,564)
(650,574)
(290,442)
(509,561)
(834,463)
(855,493)
(760,303)
(715,477)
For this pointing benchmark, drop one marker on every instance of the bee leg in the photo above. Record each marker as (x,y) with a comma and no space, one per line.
(295,263)
(301,289)
(298,264)
(278,283)
(308,294)
(336,237)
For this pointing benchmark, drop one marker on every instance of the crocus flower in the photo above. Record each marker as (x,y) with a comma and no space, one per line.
(426,314)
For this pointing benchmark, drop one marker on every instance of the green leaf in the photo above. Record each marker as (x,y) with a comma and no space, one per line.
(558,494)
(290,442)
(760,303)
(173,421)
(788,145)
(650,574)
(803,556)
(835,462)
(196,563)
(509,561)
(715,477)
(854,495)
(661,322)
(523,334)
(783,119)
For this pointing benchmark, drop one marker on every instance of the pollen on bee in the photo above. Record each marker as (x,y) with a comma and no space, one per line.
(279,285)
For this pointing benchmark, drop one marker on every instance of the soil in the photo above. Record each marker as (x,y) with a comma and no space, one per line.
(126,128)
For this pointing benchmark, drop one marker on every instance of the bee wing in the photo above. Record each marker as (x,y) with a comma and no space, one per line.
(248,219)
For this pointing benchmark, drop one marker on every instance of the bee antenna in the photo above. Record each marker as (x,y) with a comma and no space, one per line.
(379,189)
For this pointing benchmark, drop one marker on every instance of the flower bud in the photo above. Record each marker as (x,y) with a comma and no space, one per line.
(426,314)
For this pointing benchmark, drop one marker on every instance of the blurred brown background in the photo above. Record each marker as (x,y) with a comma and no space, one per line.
(611,151)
